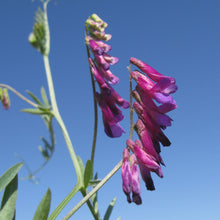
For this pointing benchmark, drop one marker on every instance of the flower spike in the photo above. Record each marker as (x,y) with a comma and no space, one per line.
(153,100)
(108,99)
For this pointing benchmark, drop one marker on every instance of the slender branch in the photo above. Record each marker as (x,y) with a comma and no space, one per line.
(95,114)
(60,120)
(91,208)
(95,189)
(19,95)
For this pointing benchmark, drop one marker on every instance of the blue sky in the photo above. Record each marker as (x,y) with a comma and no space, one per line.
(179,39)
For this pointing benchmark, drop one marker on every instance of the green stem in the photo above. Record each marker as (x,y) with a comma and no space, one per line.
(95,114)
(19,95)
(60,120)
(95,189)
(91,208)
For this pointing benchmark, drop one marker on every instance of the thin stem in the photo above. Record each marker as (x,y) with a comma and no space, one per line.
(95,189)
(60,120)
(19,95)
(61,206)
(91,208)
(131,104)
(95,114)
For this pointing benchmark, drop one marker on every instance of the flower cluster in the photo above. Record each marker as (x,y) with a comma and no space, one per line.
(108,99)
(152,119)
(4,98)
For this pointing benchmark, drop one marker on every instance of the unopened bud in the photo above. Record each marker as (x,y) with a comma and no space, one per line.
(5,99)
(107,37)
(95,25)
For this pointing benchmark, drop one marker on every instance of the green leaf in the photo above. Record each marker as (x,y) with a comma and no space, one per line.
(88,173)
(82,169)
(62,205)
(118,218)
(6,178)
(36,111)
(93,183)
(44,207)
(44,97)
(9,198)
(34,98)
(109,210)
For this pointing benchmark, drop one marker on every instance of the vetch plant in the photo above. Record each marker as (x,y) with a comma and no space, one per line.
(140,157)
(151,87)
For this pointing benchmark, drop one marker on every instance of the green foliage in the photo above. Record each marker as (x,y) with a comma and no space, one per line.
(44,207)
(7,211)
(88,173)
(109,209)
(44,110)
(36,111)
(9,175)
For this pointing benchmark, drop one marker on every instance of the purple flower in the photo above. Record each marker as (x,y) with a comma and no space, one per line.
(108,99)
(107,74)
(95,48)
(131,178)
(126,175)
(135,181)
(145,138)
(151,89)
(147,160)
(151,72)
(146,176)
(110,117)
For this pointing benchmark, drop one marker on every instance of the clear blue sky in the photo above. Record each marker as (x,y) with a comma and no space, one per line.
(178,38)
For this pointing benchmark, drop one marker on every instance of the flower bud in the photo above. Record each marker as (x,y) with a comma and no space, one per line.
(5,99)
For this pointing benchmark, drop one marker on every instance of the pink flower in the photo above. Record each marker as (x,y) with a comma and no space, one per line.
(152,118)
(144,158)
(126,175)
(135,181)
(100,62)
(131,177)
(111,116)
(151,72)
(145,138)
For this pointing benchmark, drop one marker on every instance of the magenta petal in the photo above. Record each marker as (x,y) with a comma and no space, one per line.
(114,109)
(111,60)
(163,120)
(145,138)
(142,80)
(135,176)
(101,61)
(146,176)
(98,76)
(144,158)
(107,74)
(113,130)
(162,98)
(166,107)
(95,48)
(151,72)
(126,175)
(165,85)
(103,45)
